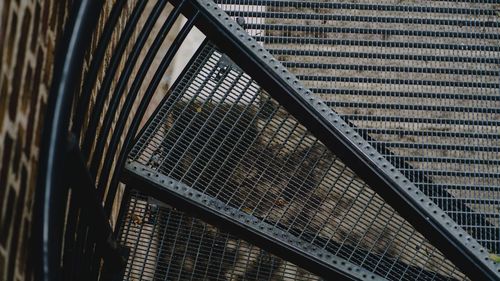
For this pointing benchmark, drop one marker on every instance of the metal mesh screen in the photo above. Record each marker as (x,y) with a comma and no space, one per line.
(166,244)
(219,133)
(419,79)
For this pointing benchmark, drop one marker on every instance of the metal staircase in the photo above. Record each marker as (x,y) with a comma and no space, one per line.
(304,140)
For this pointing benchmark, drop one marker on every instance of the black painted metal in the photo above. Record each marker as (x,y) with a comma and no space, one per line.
(375,81)
(382,19)
(117,96)
(214,253)
(219,255)
(98,226)
(235,46)
(384,56)
(91,77)
(51,190)
(362,158)
(162,156)
(371,7)
(73,236)
(260,233)
(132,129)
(101,97)
(83,234)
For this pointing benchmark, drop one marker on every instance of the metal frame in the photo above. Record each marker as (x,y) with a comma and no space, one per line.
(285,244)
(85,227)
(85,191)
(50,191)
(359,155)
(134,126)
(248,227)
(56,150)
(475,222)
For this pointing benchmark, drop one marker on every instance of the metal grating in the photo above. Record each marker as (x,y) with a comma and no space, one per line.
(418,80)
(222,148)
(167,244)
(225,137)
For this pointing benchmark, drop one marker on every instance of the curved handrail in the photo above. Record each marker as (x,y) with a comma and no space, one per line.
(49,204)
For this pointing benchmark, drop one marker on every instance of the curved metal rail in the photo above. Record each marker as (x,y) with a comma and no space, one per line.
(79,175)
(73,215)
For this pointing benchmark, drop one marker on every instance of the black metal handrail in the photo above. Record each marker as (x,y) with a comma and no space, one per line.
(72,232)
(62,158)
(51,189)
(362,157)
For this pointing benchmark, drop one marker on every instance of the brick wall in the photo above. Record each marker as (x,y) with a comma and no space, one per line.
(28,35)
(28,31)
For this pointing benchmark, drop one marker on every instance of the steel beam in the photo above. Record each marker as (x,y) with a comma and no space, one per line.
(342,139)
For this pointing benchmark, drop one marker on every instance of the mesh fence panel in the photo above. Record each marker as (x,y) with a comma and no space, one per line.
(419,79)
(221,134)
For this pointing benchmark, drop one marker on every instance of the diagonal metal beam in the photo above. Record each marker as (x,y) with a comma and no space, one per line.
(253,229)
(166,188)
(342,139)
(85,193)
(266,16)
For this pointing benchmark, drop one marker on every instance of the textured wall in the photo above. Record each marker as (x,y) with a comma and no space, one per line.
(28,35)
(28,32)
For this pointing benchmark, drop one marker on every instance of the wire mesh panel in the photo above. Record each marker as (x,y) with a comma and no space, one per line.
(167,244)
(418,79)
(223,136)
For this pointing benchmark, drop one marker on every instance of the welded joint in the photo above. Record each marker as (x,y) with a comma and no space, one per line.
(432,212)
(248,221)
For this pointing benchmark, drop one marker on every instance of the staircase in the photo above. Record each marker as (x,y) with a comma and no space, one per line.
(308,140)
